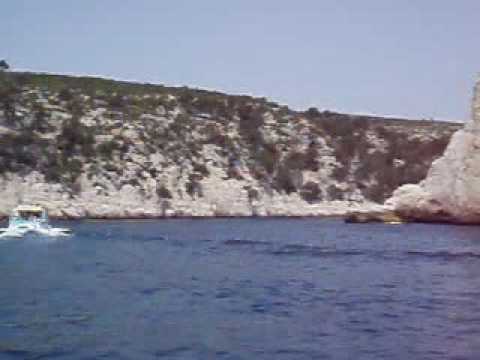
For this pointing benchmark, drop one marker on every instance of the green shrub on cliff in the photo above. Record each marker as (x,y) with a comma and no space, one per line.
(251,121)
(163,192)
(107,148)
(9,97)
(4,65)
(76,138)
(311,192)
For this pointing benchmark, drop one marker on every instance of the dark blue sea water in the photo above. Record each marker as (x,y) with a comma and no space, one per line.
(242,289)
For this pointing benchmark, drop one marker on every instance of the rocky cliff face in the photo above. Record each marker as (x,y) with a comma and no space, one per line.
(451,190)
(476,103)
(88,147)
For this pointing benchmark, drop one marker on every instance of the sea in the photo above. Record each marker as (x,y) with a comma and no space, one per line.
(242,289)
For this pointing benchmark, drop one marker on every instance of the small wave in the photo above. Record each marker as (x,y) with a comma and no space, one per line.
(259,308)
(151,291)
(52,354)
(291,352)
(390,315)
(386,286)
(224,293)
(293,249)
(168,353)
(74,319)
(16,353)
(107,354)
(152,238)
(445,255)
(315,251)
(245,242)
(12,325)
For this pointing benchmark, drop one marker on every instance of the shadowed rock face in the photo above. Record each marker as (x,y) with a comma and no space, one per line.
(90,147)
(451,190)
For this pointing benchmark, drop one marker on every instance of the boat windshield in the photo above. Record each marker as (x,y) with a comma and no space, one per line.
(30,215)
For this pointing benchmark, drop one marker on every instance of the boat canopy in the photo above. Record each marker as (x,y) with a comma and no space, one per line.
(26,211)
(29,208)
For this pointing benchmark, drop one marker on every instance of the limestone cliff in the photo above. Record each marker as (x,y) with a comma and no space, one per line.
(451,190)
(89,147)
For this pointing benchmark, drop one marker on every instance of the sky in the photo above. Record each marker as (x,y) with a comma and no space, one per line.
(409,58)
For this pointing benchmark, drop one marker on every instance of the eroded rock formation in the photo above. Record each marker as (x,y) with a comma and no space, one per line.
(451,190)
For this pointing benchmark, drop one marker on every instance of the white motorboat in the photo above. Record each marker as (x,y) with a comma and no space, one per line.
(30,219)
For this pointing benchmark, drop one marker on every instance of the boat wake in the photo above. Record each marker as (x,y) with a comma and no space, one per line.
(20,233)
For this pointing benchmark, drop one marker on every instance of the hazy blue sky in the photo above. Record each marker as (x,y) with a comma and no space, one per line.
(416,58)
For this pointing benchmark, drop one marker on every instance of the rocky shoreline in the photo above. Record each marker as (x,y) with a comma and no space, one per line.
(221,199)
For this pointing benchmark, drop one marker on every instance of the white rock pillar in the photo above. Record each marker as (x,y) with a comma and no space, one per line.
(451,190)
(476,103)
